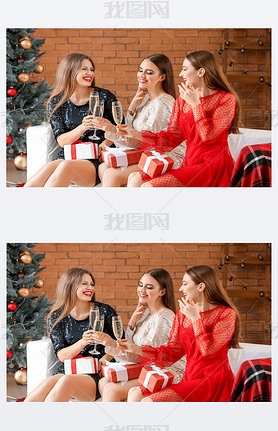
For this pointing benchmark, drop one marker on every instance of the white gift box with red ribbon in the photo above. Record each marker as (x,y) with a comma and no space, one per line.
(81,365)
(81,151)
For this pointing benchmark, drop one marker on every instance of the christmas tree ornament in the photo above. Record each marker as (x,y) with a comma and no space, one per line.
(25,42)
(21,274)
(25,257)
(12,92)
(21,60)
(20,161)
(21,376)
(11,151)
(23,292)
(39,68)
(9,139)
(9,354)
(39,284)
(12,306)
(23,77)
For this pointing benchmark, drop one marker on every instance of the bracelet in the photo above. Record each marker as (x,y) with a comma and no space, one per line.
(131,327)
(131,113)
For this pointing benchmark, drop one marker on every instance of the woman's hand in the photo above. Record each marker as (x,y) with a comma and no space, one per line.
(128,131)
(105,143)
(102,338)
(87,122)
(138,313)
(137,99)
(190,309)
(102,124)
(189,94)
(87,337)
(102,361)
(129,346)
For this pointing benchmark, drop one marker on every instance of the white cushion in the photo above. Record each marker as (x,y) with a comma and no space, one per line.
(247,137)
(247,351)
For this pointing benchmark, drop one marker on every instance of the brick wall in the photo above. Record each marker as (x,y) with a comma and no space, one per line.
(118,267)
(117,53)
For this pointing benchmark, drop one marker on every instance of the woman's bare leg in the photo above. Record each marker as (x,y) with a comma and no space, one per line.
(134,180)
(78,386)
(39,178)
(115,177)
(147,184)
(147,400)
(115,392)
(135,395)
(102,383)
(101,169)
(80,172)
(40,393)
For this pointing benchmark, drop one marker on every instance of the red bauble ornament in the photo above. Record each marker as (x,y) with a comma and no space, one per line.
(9,139)
(9,354)
(21,274)
(21,59)
(12,306)
(12,92)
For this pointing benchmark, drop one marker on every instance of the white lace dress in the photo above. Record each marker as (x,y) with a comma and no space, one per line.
(154,116)
(151,330)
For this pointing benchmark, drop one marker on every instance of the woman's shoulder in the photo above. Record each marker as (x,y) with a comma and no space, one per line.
(167,314)
(107,94)
(165,99)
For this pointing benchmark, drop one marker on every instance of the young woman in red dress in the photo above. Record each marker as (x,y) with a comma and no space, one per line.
(205,327)
(205,112)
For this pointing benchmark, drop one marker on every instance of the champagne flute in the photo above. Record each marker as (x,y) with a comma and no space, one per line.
(93,102)
(117,112)
(99,324)
(93,317)
(117,326)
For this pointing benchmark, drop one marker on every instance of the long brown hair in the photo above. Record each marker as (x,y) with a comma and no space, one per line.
(165,281)
(214,293)
(215,79)
(66,73)
(66,292)
(165,66)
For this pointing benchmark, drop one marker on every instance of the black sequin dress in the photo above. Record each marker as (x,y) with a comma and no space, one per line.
(69,330)
(68,116)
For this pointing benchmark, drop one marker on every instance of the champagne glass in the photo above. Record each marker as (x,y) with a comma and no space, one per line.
(93,317)
(117,326)
(93,102)
(99,324)
(117,112)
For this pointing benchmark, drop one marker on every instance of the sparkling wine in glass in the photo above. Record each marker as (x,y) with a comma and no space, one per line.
(93,103)
(117,326)
(93,317)
(99,324)
(117,112)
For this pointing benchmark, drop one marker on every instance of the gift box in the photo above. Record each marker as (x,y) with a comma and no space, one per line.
(81,151)
(154,163)
(117,372)
(119,157)
(154,378)
(81,365)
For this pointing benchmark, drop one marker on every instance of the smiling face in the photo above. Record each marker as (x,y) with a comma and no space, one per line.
(86,74)
(86,289)
(190,75)
(149,76)
(149,290)
(190,290)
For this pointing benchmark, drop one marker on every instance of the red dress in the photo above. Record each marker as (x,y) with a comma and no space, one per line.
(208,376)
(208,161)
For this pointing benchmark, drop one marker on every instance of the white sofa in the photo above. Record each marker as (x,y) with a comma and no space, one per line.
(42,147)
(42,361)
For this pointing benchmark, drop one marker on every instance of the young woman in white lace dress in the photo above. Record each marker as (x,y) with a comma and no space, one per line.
(149,326)
(150,109)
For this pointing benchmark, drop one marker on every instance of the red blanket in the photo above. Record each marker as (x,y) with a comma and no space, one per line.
(253,381)
(253,167)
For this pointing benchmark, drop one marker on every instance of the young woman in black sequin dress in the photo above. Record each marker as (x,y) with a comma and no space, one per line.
(71,120)
(71,335)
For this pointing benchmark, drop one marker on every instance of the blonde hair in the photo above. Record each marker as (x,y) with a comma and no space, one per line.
(66,292)
(66,73)
(215,79)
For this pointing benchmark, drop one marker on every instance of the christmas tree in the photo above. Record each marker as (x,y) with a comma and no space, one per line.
(26,312)
(25,97)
